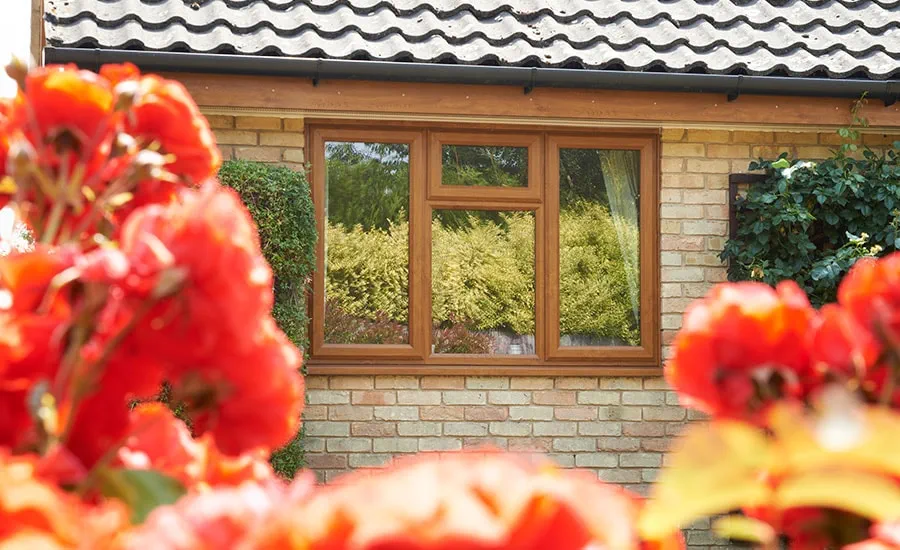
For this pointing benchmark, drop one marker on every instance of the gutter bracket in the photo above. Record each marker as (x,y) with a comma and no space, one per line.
(315,79)
(733,95)
(890,96)
(530,87)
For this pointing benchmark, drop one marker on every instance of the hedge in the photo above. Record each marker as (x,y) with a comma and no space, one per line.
(279,201)
(483,273)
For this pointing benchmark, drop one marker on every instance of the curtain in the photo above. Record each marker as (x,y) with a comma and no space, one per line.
(621,173)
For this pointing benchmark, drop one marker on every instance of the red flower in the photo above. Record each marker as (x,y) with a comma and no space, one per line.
(37,514)
(67,111)
(741,347)
(202,258)
(33,322)
(161,442)
(871,293)
(164,112)
(840,344)
(247,401)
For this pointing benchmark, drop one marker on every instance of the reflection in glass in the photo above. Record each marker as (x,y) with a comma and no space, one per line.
(484,166)
(366,243)
(482,282)
(599,267)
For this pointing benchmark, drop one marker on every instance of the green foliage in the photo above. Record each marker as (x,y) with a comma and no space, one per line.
(594,297)
(483,274)
(279,202)
(492,166)
(810,222)
(368,183)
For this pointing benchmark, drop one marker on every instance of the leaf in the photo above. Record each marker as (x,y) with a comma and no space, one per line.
(781,163)
(745,528)
(141,490)
(715,467)
(865,494)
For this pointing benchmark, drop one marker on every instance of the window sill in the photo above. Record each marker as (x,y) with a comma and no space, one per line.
(546,369)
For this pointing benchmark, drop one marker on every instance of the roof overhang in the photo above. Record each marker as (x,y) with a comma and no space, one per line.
(526,77)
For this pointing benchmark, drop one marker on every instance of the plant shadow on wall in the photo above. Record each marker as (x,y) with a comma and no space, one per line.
(483,278)
(811,221)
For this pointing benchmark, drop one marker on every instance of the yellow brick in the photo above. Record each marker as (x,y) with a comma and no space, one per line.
(728,151)
(796,138)
(258,123)
(672,134)
(293,124)
(670,195)
(235,137)
(227,152)
(708,166)
(716,212)
(691,181)
(716,181)
(283,139)
(260,154)
(879,139)
(708,136)
(683,150)
(294,155)
(671,227)
(220,121)
(673,166)
(295,166)
(771,151)
(814,152)
(832,138)
(742,136)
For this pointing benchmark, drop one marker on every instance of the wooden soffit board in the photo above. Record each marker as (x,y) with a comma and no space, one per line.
(608,106)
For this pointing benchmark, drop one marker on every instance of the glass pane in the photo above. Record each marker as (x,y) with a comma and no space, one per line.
(366,243)
(482,282)
(484,166)
(599,268)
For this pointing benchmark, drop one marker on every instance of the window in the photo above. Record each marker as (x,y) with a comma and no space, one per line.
(489,251)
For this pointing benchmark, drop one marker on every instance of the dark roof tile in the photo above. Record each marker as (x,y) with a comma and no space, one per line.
(794,37)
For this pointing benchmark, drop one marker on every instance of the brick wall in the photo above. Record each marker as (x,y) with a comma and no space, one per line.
(617,427)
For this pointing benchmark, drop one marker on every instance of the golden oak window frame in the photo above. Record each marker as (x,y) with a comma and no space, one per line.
(541,196)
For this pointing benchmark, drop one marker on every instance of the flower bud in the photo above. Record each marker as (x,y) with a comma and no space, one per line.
(21,158)
(17,70)
(127,93)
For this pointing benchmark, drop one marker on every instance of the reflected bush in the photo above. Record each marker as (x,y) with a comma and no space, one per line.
(458,336)
(595,297)
(343,328)
(483,272)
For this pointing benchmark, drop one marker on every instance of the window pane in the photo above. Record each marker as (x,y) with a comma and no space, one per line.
(366,243)
(484,166)
(599,279)
(482,282)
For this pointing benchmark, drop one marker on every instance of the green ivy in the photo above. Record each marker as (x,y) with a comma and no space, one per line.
(279,201)
(810,222)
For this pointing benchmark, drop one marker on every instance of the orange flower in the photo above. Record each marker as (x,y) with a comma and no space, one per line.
(840,345)
(161,442)
(467,500)
(742,346)
(36,514)
(871,294)
(164,112)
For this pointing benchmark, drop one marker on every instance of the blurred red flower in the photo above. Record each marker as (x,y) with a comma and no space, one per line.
(164,112)
(742,347)
(159,441)
(37,514)
(871,293)
(467,500)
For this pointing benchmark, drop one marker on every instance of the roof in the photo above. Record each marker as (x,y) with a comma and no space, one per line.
(793,38)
